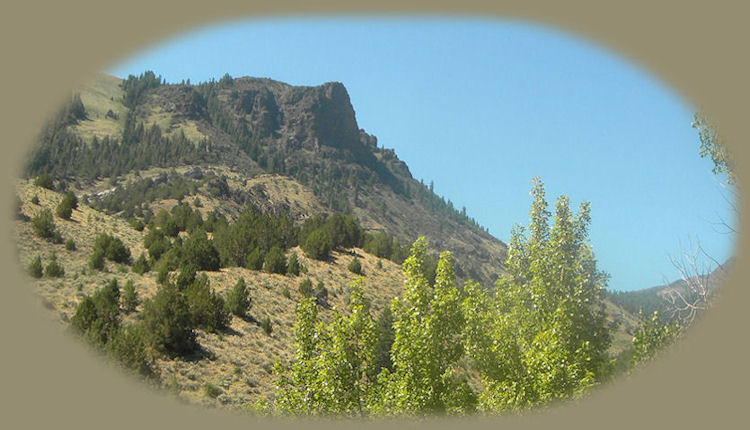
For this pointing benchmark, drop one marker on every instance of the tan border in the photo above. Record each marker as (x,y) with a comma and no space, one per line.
(47,383)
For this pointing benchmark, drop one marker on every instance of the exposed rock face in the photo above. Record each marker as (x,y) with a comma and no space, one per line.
(300,117)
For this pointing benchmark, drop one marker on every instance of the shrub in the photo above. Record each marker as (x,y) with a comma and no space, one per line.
(285,292)
(275,262)
(265,324)
(136,224)
(57,237)
(35,199)
(140,265)
(305,287)
(130,299)
(293,265)
(254,260)
(167,320)
(54,269)
(45,181)
(70,245)
(212,390)
(67,204)
(97,317)
(355,266)
(186,276)
(35,267)
(162,275)
(238,301)
(379,265)
(129,346)
(113,248)
(321,294)
(96,261)
(156,243)
(43,225)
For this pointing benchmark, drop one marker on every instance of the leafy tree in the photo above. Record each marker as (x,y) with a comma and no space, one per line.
(130,299)
(329,374)
(43,225)
(651,336)
(713,146)
(427,343)
(35,267)
(355,266)
(238,301)
(385,335)
(275,261)
(542,336)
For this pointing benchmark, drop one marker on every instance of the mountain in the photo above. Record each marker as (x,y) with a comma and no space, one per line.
(657,298)
(253,127)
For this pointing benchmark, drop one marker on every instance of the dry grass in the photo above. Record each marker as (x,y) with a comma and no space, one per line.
(238,360)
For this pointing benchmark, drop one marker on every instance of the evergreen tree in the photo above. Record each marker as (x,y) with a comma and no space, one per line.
(238,301)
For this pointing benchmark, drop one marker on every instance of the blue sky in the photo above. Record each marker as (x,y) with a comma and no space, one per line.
(480,107)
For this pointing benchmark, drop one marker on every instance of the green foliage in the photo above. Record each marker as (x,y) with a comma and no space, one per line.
(207,309)
(96,260)
(35,199)
(255,259)
(45,181)
(97,317)
(385,336)
(137,87)
(130,299)
(427,347)
(318,245)
(67,204)
(212,390)
(35,267)
(167,322)
(355,266)
(112,248)
(652,336)
(265,324)
(70,244)
(275,261)
(43,225)
(321,294)
(141,265)
(305,287)
(251,231)
(238,301)
(293,265)
(54,269)
(285,292)
(200,251)
(384,245)
(129,346)
(714,147)
(329,374)
(157,243)
(542,336)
